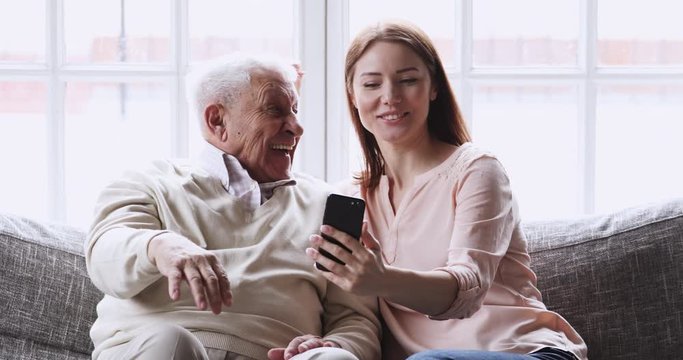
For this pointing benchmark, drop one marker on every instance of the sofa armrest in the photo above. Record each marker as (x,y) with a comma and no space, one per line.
(616,278)
(46,297)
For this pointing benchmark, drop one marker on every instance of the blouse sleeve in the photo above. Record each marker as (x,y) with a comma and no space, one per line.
(485,217)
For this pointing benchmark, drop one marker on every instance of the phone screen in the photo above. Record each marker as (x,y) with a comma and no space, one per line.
(344,213)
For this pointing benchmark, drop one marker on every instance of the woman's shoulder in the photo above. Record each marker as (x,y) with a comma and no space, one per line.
(465,156)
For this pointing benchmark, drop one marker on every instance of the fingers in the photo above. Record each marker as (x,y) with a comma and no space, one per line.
(180,259)
(333,249)
(302,343)
(194,279)
(329,264)
(209,283)
(224,284)
(212,288)
(311,343)
(276,354)
(344,238)
(174,279)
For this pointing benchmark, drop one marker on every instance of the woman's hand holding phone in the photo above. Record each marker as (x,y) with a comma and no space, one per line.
(344,213)
(362,270)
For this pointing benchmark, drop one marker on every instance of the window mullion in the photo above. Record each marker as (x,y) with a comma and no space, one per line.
(311,36)
(179,55)
(337,130)
(55,115)
(589,105)
(465,99)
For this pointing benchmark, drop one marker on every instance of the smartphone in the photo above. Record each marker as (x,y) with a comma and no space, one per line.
(344,213)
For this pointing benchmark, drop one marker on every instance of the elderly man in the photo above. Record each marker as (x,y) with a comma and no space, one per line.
(206,259)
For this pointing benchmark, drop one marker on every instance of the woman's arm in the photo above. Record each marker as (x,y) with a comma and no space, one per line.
(484,220)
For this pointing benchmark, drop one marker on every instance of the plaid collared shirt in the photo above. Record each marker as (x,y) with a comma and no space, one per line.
(236,180)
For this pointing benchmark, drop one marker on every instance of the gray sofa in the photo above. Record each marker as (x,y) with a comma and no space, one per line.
(616,278)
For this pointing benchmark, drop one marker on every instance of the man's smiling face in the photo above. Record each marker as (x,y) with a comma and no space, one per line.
(263,129)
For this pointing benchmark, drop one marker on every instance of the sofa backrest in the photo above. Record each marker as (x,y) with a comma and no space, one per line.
(616,278)
(46,298)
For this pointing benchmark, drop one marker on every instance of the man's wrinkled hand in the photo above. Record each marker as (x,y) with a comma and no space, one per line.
(299,345)
(179,259)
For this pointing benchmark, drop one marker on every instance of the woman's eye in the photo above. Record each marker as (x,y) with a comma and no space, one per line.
(370,85)
(408,81)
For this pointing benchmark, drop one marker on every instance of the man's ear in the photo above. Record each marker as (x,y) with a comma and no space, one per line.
(213,119)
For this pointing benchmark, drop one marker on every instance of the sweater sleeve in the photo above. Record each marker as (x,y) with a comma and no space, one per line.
(485,217)
(126,219)
(352,322)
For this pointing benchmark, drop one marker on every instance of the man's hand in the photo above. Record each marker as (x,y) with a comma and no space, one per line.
(180,259)
(298,345)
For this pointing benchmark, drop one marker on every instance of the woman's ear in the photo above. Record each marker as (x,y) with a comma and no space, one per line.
(213,119)
(432,94)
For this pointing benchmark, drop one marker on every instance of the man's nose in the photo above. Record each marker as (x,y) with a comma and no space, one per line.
(293,125)
(391,95)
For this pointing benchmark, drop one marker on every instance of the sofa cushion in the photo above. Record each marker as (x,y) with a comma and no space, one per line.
(616,278)
(46,298)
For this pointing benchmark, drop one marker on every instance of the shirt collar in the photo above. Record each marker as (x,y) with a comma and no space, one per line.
(233,176)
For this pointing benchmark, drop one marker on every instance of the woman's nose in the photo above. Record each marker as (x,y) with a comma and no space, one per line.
(391,95)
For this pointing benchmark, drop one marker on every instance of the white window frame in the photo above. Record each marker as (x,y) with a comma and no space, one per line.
(310,47)
(321,44)
(585,78)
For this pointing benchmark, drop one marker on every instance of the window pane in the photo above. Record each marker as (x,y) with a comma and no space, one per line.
(110,128)
(117,31)
(507,33)
(27,18)
(534,132)
(638,145)
(435,17)
(633,32)
(23,148)
(220,27)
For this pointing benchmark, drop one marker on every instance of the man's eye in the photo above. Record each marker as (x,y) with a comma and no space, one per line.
(273,110)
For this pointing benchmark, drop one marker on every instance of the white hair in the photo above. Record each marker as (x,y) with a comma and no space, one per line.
(223,80)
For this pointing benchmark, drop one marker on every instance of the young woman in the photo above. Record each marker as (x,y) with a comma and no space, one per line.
(442,247)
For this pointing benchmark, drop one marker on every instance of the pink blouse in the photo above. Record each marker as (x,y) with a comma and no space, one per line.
(460,217)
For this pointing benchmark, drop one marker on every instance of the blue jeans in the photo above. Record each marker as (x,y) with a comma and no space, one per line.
(543,354)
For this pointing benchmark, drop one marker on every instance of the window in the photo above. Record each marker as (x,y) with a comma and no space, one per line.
(91,89)
(581,100)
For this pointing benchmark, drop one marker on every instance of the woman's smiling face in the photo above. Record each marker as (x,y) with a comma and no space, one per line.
(392,90)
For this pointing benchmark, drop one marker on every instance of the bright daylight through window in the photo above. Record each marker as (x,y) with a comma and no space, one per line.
(581,100)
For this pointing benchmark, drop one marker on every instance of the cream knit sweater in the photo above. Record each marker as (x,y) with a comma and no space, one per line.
(277,293)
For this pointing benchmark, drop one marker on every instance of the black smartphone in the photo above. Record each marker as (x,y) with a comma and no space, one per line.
(344,213)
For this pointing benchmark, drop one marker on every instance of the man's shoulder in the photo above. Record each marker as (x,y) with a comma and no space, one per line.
(163,167)
(305,181)
(163,170)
